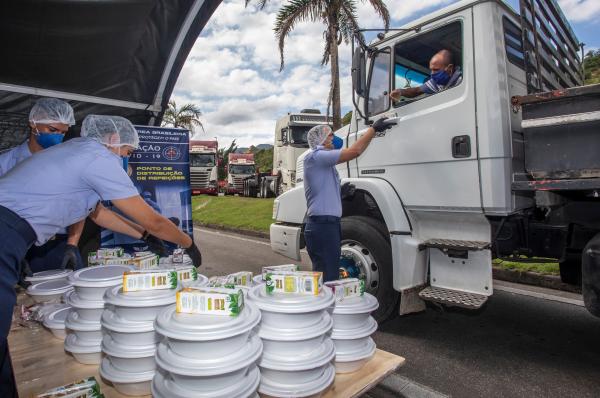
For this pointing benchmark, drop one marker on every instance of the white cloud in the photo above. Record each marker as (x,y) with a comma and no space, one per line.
(580,10)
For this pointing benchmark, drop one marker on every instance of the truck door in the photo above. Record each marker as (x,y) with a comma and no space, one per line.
(430,156)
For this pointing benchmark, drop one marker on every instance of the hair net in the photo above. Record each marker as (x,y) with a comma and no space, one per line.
(317,135)
(51,110)
(113,131)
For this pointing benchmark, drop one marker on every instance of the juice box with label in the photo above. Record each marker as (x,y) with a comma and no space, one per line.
(86,388)
(309,283)
(146,262)
(210,301)
(149,280)
(242,278)
(220,281)
(343,288)
(274,268)
(177,256)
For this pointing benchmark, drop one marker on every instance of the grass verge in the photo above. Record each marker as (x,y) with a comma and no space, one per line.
(546,266)
(251,214)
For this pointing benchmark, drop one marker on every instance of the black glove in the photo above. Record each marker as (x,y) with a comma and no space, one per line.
(347,190)
(381,125)
(72,258)
(194,254)
(155,245)
(24,271)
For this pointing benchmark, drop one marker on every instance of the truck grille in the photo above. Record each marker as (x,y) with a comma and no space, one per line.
(199,179)
(238,183)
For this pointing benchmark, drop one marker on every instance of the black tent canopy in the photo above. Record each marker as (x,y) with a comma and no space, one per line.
(119,57)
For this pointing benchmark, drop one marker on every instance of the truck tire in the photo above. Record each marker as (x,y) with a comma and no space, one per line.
(363,242)
(590,273)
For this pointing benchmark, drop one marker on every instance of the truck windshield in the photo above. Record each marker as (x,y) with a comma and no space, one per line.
(241,168)
(298,136)
(202,159)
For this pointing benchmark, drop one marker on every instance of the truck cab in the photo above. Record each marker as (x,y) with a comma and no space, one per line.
(240,167)
(203,167)
(449,186)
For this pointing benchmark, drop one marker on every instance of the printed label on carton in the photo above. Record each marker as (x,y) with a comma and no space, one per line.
(220,281)
(210,301)
(277,268)
(149,280)
(86,388)
(177,256)
(147,262)
(350,287)
(184,274)
(242,278)
(309,283)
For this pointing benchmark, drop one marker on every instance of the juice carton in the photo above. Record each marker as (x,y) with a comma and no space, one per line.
(177,256)
(210,301)
(309,283)
(149,280)
(86,388)
(350,287)
(242,278)
(273,268)
(145,262)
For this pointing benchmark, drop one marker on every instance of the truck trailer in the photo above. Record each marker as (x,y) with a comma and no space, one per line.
(502,164)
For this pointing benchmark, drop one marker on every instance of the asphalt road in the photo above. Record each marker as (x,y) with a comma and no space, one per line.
(516,346)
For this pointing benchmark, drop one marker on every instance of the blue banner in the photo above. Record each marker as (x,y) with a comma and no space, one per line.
(160,171)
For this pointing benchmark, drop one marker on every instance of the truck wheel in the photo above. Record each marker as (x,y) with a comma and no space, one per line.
(590,272)
(364,247)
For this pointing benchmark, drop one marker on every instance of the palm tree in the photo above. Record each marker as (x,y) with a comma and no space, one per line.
(187,116)
(340,20)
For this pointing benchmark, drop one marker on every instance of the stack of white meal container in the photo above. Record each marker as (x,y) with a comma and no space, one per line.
(298,351)
(49,286)
(84,331)
(353,326)
(129,342)
(207,355)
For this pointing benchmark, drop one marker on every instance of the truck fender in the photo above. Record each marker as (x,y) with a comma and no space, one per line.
(290,206)
(410,264)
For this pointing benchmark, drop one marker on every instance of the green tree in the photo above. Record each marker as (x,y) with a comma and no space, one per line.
(187,116)
(264,159)
(340,20)
(347,118)
(591,66)
(224,155)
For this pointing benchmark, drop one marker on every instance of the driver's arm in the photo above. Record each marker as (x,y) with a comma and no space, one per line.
(410,92)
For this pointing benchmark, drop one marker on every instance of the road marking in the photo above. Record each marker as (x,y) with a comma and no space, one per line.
(255,240)
(542,293)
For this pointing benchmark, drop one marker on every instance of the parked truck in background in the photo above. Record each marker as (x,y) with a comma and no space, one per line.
(203,167)
(240,166)
(504,162)
(290,142)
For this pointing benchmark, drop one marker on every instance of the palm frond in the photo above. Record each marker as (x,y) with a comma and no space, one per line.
(382,10)
(291,14)
(261,3)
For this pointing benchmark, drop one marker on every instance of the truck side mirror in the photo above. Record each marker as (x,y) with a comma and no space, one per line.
(358,72)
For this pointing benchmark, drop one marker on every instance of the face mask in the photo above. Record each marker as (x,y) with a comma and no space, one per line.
(46,140)
(125,162)
(440,77)
(337,142)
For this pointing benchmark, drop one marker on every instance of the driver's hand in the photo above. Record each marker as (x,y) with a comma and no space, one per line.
(396,94)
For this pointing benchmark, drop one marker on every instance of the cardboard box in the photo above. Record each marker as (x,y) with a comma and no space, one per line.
(308,283)
(210,301)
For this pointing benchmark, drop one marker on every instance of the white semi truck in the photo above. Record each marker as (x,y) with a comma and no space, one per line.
(290,142)
(487,168)
(203,167)
(240,166)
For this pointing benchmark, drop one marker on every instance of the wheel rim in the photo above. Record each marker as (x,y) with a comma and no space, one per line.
(357,261)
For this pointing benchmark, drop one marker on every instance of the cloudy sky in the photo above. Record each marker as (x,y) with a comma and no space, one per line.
(232,72)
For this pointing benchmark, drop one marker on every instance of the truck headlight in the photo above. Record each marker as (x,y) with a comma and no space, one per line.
(275,208)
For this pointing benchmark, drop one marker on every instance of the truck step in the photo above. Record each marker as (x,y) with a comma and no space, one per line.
(452,244)
(455,298)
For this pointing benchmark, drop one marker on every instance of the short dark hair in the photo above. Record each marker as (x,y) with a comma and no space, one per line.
(448,56)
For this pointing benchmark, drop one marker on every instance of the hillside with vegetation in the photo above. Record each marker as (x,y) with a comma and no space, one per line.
(591,67)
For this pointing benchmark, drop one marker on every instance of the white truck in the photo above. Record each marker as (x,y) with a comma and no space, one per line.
(203,167)
(479,170)
(290,143)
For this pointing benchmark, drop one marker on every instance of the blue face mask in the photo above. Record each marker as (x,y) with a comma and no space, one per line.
(125,162)
(46,140)
(440,77)
(337,142)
